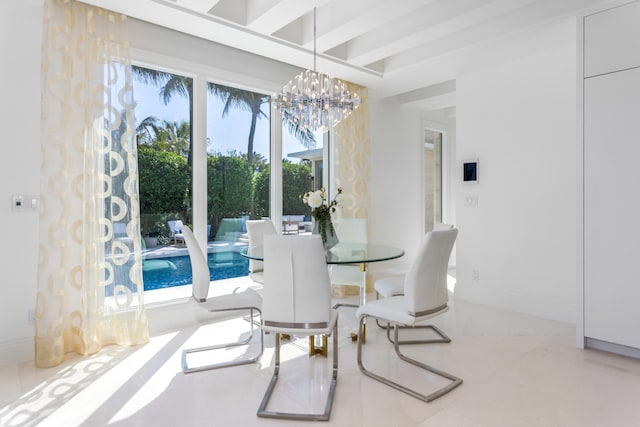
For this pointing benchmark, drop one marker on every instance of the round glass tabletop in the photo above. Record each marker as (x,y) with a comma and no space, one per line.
(345,253)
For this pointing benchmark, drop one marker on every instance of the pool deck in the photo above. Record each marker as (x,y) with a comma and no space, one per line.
(168,251)
(171,250)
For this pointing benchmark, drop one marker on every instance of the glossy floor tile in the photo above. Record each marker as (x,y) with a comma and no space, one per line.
(518,371)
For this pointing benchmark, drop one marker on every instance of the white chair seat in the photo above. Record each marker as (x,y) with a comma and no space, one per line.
(305,331)
(244,298)
(393,310)
(390,286)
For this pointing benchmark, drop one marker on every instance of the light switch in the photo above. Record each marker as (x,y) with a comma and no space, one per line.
(17,203)
(25,203)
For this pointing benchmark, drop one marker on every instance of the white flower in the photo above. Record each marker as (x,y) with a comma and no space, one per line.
(315,199)
(340,199)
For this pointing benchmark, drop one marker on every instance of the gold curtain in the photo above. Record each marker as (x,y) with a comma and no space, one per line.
(351,166)
(90,290)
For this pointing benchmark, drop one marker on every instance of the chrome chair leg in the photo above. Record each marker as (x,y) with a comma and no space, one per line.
(187,369)
(324,416)
(455,381)
(444,338)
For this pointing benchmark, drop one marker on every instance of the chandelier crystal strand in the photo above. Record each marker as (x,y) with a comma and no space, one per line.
(315,101)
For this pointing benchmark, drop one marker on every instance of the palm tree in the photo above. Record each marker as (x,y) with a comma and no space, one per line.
(243,100)
(167,136)
(147,130)
(170,85)
(252,102)
(305,136)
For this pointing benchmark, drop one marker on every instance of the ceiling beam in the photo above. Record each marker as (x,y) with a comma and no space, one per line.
(426,24)
(338,23)
(202,6)
(269,16)
(503,26)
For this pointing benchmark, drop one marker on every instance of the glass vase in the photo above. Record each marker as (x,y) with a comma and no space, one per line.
(329,237)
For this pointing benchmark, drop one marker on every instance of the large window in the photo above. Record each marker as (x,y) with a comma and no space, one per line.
(238,172)
(302,171)
(227,151)
(164,111)
(238,177)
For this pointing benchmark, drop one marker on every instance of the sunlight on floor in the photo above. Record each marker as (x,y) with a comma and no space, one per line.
(157,384)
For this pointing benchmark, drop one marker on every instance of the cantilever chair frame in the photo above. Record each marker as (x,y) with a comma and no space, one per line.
(444,338)
(262,410)
(246,300)
(425,296)
(185,366)
(455,381)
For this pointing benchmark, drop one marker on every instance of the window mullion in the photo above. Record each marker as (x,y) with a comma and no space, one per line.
(200,159)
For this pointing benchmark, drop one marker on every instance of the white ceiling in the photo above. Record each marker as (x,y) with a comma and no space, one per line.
(408,49)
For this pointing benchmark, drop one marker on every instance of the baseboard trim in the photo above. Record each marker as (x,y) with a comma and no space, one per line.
(610,347)
(17,351)
(162,317)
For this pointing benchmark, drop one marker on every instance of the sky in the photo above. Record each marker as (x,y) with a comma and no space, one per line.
(223,135)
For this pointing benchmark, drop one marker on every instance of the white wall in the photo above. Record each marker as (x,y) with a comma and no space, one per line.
(396,178)
(519,119)
(20,44)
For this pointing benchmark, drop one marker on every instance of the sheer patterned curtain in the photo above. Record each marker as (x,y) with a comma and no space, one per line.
(90,270)
(351,163)
(351,166)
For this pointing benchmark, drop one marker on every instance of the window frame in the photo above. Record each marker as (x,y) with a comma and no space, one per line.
(202,75)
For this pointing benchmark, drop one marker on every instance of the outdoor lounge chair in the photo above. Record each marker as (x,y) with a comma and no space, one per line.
(175,231)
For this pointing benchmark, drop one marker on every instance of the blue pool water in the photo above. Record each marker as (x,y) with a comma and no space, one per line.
(222,265)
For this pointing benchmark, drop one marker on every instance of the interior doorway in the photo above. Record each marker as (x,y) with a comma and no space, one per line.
(432,178)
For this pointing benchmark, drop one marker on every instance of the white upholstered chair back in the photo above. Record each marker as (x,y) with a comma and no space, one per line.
(349,230)
(352,230)
(256,230)
(425,285)
(199,266)
(297,289)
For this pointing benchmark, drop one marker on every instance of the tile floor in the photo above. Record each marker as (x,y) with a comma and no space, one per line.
(518,370)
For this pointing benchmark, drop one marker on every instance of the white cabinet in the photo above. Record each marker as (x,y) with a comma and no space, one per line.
(612,40)
(612,208)
(610,250)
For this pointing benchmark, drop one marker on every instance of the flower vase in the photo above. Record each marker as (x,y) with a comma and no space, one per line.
(329,237)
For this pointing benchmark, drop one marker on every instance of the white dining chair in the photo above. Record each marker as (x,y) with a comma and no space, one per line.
(256,230)
(349,230)
(393,285)
(425,295)
(246,300)
(297,302)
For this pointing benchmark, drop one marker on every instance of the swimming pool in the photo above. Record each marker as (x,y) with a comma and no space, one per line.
(222,265)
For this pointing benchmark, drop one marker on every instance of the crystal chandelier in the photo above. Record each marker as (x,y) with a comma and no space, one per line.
(315,101)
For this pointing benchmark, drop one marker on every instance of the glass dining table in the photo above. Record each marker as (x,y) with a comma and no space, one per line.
(345,253)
